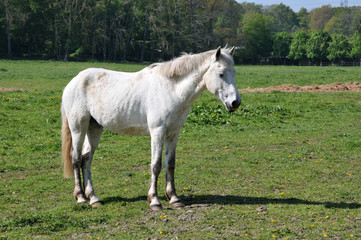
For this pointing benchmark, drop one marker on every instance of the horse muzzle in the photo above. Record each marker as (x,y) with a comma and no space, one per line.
(233,106)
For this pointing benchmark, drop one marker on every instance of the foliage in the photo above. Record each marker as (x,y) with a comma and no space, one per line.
(355,42)
(284,17)
(356,23)
(139,30)
(334,25)
(214,114)
(303,17)
(256,36)
(320,17)
(225,29)
(298,49)
(281,44)
(317,45)
(339,47)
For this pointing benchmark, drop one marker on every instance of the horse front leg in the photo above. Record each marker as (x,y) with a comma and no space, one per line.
(170,192)
(155,167)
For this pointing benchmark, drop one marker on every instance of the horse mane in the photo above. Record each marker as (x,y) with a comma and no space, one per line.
(189,62)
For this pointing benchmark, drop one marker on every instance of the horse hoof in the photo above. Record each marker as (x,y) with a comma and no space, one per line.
(178,205)
(97,204)
(156,207)
(81,199)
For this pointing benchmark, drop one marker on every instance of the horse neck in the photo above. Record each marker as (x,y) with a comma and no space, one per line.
(192,84)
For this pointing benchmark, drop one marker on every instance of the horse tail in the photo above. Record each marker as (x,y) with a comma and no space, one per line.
(66,146)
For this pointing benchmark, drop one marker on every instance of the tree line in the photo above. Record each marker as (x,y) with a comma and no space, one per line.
(142,30)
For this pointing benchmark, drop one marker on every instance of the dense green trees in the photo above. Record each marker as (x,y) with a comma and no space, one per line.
(133,30)
(140,30)
(255,36)
(317,45)
(298,45)
(355,43)
(339,48)
(284,18)
(281,44)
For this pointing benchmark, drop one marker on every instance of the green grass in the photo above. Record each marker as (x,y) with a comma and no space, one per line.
(283,166)
(265,76)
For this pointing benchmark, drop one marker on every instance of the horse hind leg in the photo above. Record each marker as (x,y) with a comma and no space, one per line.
(78,139)
(90,144)
(78,123)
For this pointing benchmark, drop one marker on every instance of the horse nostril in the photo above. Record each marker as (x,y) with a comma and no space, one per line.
(235,104)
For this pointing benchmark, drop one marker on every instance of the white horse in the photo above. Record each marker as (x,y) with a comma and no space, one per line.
(154,101)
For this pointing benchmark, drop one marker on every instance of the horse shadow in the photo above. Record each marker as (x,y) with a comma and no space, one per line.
(240,200)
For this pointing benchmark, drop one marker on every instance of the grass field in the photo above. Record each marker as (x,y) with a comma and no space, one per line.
(283,166)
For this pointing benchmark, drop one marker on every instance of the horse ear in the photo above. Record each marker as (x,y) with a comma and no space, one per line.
(218,53)
(231,52)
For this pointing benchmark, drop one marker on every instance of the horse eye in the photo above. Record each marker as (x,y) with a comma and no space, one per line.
(221,75)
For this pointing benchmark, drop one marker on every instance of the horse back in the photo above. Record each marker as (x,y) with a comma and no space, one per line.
(125,103)
(116,100)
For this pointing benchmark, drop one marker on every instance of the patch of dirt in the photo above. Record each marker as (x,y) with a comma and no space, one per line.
(12,89)
(333,87)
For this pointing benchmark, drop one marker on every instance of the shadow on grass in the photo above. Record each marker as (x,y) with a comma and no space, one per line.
(240,200)
(234,200)
(121,199)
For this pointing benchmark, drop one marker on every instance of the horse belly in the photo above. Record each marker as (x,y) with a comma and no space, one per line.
(120,121)
(134,131)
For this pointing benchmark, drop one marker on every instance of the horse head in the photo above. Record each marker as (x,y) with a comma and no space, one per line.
(220,81)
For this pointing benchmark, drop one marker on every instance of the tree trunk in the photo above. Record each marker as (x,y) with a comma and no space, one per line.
(146,23)
(124,57)
(176,41)
(93,46)
(57,45)
(56,34)
(68,41)
(8,26)
(106,25)
(192,25)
